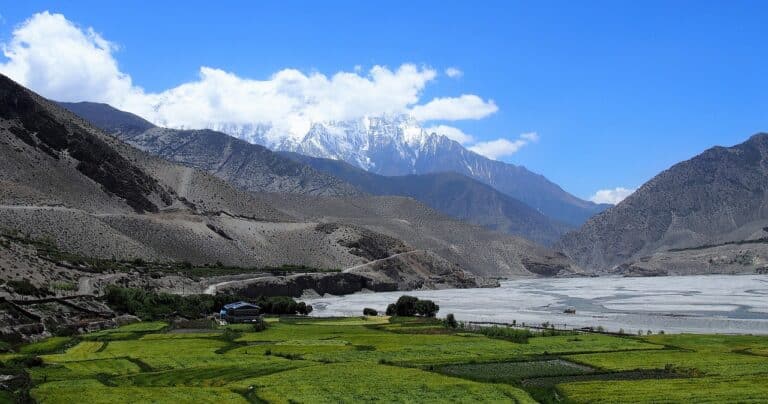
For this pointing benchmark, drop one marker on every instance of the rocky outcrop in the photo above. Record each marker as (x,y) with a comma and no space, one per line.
(404,271)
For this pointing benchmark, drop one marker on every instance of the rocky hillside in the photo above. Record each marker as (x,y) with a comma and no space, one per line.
(248,166)
(97,199)
(454,194)
(473,248)
(425,229)
(718,200)
(91,195)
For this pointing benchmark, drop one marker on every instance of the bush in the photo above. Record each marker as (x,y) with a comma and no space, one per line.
(510,334)
(391,309)
(426,308)
(370,312)
(259,325)
(406,306)
(230,335)
(450,321)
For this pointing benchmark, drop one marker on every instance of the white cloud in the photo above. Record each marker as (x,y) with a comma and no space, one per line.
(612,196)
(454,72)
(58,59)
(467,106)
(62,61)
(498,148)
(451,133)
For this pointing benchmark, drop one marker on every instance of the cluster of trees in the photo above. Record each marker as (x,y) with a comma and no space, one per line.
(409,306)
(281,305)
(150,305)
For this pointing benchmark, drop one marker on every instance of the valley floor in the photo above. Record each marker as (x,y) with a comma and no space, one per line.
(357,359)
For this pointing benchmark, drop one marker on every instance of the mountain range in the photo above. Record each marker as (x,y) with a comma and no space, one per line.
(257,169)
(88,194)
(451,193)
(704,215)
(708,214)
(396,145)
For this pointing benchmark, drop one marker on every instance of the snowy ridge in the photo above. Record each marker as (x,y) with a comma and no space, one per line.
(398,145)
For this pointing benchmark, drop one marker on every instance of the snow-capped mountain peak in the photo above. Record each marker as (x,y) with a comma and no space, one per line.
(399,145)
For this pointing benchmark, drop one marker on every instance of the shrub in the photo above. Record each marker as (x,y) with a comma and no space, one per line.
(33,361)
(391,309)
(426,308)
(406,306)
(510,334)
(450,321)
(230,335)
(259,325)
(370,312)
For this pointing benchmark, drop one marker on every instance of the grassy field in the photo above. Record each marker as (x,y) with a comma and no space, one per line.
(373,359)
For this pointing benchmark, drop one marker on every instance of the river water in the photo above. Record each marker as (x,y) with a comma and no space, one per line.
(696,304)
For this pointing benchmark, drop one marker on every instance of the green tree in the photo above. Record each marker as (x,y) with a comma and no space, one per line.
(426,308)
(370,312)
(450,321)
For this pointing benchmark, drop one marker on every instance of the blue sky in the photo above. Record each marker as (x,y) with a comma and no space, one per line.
(616,90)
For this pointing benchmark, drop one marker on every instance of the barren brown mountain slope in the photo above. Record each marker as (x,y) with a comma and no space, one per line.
(89,193)
(699,216)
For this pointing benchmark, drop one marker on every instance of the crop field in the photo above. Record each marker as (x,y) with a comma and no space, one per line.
(514,371)
(373,359)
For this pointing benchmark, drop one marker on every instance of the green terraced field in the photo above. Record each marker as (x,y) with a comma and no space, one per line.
(47,345)
(693,390)
(369,359)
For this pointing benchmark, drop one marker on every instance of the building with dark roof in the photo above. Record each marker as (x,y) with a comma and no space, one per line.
(240,312)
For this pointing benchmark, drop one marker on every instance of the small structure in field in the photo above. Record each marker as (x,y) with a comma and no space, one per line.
(570,310)
(241,312)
